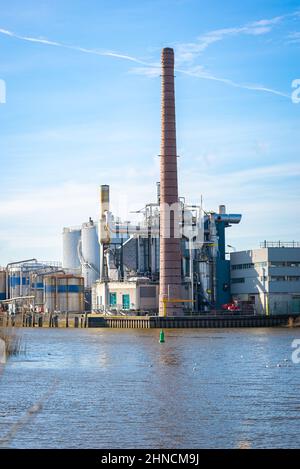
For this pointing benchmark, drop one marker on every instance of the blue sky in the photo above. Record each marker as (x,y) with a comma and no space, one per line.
(83,109)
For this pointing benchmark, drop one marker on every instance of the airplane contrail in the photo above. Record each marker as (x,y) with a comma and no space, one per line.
(226,81)
(117,55)
(75,48)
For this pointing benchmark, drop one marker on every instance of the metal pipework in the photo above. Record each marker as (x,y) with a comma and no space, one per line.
(222,209)
(104,199)
(7,272)
(104,209)
(21,262)
(127,228)
(170,254)
(233,218)
(103,231)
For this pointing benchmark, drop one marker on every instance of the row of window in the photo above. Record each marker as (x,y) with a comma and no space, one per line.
(242,266)
(265,264)
(285,278)
(238,280)
(125,300)
(273,278)
(113,300)
(284,264)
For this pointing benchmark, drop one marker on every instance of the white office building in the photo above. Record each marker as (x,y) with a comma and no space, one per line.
(268,278)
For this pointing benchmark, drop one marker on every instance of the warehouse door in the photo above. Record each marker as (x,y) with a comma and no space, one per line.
(126,302)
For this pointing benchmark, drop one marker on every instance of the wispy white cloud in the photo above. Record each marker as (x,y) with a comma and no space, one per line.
(294,38)
(188,52)
(48,42)
(200,72)
(241,179)
(25,215)
(75,198)
(184,53)
(150,71)
(250,192)
(267,211)
(267,172)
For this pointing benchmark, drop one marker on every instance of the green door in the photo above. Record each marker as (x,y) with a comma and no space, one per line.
(296,305)
(113,299)
(126,302)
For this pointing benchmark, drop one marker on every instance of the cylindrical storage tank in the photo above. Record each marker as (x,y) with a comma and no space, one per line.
(37,289)
(50,294)
(90,249)
(64,293)
(19,282)
(2,285)
(71,239)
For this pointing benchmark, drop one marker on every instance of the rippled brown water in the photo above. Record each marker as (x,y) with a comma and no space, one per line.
(122,389)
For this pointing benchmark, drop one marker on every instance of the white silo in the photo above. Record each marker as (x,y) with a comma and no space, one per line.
(89,253)
(71,239)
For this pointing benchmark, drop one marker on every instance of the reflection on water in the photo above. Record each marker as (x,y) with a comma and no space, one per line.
(244,445)
(121,388)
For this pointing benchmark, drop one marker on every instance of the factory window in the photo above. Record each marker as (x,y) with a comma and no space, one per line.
(126,301)
(242,266)
(284,264)
(277,278)
(238,280)
(277,264)
(113,299)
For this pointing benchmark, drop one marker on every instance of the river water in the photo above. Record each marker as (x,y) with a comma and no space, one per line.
(109,388)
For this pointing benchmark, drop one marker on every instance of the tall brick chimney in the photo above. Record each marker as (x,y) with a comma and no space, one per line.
(170,253)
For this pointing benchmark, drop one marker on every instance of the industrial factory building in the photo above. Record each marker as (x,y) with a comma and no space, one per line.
(172,262)
(268,278)
(130,260)
(120,261)
(137,295)
(30,285)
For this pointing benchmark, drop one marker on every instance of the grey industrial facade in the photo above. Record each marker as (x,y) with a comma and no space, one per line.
(268,278)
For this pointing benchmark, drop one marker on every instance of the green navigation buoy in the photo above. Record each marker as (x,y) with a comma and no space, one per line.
(161,337)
